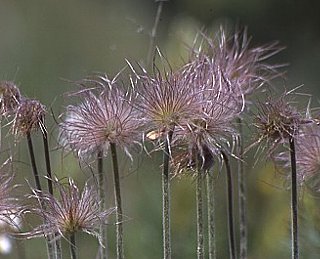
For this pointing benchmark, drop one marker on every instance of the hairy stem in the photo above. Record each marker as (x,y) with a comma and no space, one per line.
(232,244)
(242,198)
(199,201)
(166,198)
(211,215)
(117,194)
(294,201)
(73,248)
(154,32)
(101,181)
(33,162)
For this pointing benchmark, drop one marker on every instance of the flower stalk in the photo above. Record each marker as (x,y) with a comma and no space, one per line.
(294,201)
(211,215)
(117,194)
(103,250)
(232,244)
(166,198)
(199,206)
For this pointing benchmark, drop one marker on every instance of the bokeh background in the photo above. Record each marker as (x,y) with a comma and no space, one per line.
(44,44)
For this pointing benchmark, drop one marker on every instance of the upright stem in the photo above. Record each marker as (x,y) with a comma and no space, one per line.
(166,198)
(47,160)
(57,244)
(73,248)
(117,194)
(211,216)
(232,244)
(242,198)
(199,194)
(154,32)
(294,201)
(33,162)
(50,246)
(101,180)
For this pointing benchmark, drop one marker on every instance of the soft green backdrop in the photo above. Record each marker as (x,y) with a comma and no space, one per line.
(45,43)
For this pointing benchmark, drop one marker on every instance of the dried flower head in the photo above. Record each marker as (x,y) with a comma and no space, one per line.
(241,65)
(29,116)
(276,121)
(214,132)
(307,147)
(9,97)
(10,208)
(74,211)
(166,100)
(98,121)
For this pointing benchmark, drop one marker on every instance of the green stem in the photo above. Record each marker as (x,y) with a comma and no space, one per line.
(199,194)
(154,32)
(294,201)
(101,179)
(117,194)
(242,198)
(33,162)
(211,215)
(73,248)
(166,198)
(232,244)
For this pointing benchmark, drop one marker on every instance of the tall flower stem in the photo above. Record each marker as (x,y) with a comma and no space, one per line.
(154,32)
(117,194)
(242,197)
(232,244)
(47,160)
(211,215)
(166,198)
(199,205)
(50,246)
(57,244)
(101,181)
(33,162)
(294,201)
(73,248)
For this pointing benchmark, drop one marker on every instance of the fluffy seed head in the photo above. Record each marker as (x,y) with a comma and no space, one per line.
(307,147)
(9,97)
(98,121)
(242,66)
(73,211)
(29,116)
(276,121)
(166,100)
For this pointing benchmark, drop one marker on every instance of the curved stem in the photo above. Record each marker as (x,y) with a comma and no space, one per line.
(73,248)
(242,198)
(199,201)
(294,201)
(33,162)
(117,194)
(211,215)
(154,32)
(103,250)
(166,198)
(232,245)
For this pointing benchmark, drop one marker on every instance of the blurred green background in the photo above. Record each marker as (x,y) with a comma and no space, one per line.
(45,43)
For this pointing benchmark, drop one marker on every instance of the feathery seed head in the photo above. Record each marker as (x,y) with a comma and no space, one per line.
(73,211)
(307,147)
(29,116)
(98,121)
(9,97)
